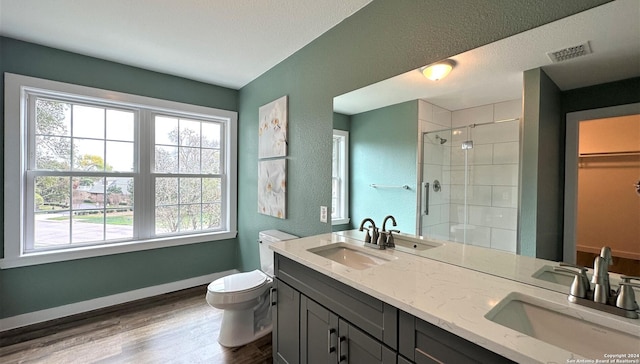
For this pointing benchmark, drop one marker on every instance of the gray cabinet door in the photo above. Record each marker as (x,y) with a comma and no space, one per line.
(286,319)
(356,347)
(425,343)
(318,333)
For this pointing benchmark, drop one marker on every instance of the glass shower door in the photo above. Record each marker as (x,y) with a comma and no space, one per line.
(470,184)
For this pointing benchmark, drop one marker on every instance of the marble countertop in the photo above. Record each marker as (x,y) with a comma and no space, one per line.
(446,295)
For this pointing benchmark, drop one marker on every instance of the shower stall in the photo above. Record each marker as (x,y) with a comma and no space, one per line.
(469,187)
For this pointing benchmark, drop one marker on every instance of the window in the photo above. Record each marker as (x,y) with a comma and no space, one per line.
(90,172)
(340,178)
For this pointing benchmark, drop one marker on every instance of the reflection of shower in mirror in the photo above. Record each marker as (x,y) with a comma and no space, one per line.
(442,140)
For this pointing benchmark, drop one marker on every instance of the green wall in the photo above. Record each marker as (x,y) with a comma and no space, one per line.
(383,151)
(341,121)
(385,38)
(32,288)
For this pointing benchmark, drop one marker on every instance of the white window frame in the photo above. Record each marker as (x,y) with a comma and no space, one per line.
(15,167)
(343,177)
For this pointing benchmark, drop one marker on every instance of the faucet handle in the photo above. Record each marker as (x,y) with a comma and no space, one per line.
(367,237)
(578,287)
(390,241)
(382,238)
(628,279)
(583,273)
(626,299)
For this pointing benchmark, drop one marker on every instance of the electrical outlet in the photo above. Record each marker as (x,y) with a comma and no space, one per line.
(323,213)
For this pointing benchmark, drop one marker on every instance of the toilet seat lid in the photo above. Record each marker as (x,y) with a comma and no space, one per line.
(238,282)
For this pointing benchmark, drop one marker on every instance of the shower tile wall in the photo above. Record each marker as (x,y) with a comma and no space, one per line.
(492,194)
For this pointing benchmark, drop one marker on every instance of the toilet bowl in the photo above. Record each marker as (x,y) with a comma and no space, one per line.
(245,297)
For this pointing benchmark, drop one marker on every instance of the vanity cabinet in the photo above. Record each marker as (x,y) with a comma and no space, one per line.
(422,342)
(333,323)
(318,319)
(326,338)
(286,323)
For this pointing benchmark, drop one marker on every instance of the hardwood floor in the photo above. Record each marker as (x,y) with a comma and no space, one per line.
(178,327)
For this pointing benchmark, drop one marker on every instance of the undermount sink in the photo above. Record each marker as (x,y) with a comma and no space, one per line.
(350,256)
(580,332)
(547,273)
(415,245)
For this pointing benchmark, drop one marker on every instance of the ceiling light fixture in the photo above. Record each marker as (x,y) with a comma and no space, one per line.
(438,70)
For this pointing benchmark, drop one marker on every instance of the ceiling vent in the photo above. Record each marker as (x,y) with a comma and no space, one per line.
(569,52)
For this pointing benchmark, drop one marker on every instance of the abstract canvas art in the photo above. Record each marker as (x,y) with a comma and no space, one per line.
(272,135)
(272,187)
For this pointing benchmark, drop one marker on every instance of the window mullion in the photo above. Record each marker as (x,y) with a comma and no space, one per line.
(144,186)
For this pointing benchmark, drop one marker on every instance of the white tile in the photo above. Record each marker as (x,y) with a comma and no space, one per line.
(457,176)
(431,172)
(503,240)
(481,175)
(457,157)
(425,111)
(429,126)
(479,236)
(496,175)
(507,110)
(440,231)
(456,214)
(495,133)
(480,154)
(458,136)
(446,176)
(504,196)
(434,216)
(436,198)
(457,194)
(505,153)
(444,213)
(434,153)
(479,195)
(441,116)
(497,217)
(504,175)
(474,115)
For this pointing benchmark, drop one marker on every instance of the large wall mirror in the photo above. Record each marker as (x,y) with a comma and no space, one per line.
(479,157)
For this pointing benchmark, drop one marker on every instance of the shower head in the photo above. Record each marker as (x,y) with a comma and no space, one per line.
(442,140)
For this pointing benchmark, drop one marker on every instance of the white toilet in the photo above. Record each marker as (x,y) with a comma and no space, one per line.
(244,297)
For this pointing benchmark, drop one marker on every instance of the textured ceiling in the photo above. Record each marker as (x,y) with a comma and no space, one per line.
(223,42)
(493,73)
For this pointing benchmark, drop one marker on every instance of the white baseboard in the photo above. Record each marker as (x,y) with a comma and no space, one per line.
(101,302)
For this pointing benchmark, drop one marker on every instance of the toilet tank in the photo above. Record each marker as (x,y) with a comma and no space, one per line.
(266,238)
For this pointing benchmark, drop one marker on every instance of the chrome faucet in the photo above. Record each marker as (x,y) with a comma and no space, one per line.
(386,237)
(373,238)
(621,303)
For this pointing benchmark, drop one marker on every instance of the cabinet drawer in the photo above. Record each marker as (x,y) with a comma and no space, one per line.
(373,316)
(425,343)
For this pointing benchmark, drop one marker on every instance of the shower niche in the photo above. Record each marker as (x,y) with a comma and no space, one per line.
(469,178)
